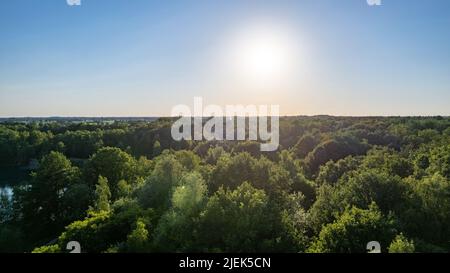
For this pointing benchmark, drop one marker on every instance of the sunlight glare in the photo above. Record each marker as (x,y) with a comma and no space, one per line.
(263,56)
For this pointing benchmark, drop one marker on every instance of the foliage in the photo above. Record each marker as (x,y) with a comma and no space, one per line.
(353,230)
(47,204)
(102,194)
(237,221)
(335,184)
(113,164)
(401,245)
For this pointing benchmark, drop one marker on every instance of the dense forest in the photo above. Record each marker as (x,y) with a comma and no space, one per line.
(334,184)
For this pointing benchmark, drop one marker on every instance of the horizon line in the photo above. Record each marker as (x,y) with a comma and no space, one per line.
(168,116)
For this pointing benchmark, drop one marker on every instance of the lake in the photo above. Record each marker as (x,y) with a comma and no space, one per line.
(12,176)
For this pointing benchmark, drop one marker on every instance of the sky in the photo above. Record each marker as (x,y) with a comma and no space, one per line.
(143,57)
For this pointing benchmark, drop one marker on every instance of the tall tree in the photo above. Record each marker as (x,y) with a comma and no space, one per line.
(102,194)
(42,203)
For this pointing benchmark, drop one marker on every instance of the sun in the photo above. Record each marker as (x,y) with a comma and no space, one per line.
(263,59)
(263,56)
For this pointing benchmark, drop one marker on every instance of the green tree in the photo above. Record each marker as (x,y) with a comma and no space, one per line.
(80,143)
(351,232)
(156,148)
(334,150)
(363,187)
(305,145)
(124,189)
(102,194)
(399,166)
(440,161)
(188,159)
(177,228)
(47,249)
(237,221)
(294,223)
(359,188)
(232,171)
(113,164)
(213,155)
(104,230)
(137,240)
(401,244)
(299,182)
(426,216)
(156,191)
(332,171)
(11,238)
(42,204)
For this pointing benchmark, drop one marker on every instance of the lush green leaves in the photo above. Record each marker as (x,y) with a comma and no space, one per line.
(401,244)
(353,230)
(334,185)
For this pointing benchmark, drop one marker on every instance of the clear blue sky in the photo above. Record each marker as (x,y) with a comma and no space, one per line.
(142,57)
